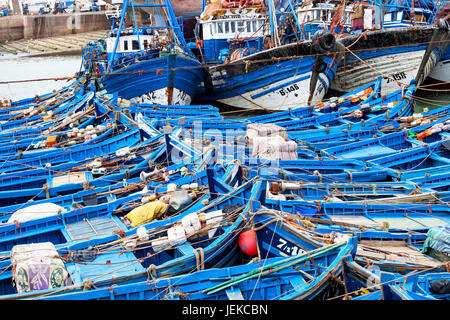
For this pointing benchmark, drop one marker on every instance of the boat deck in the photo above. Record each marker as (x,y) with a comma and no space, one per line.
(92,227)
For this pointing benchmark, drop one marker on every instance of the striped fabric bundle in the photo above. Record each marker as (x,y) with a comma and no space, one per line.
(263,130)
(274,148)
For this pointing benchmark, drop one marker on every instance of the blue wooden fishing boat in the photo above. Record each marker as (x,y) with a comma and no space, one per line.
(168,255)
(417,162)
(253,66)
(373,192)
(399,13)
(280,278)
(375,147)
(393,49)
(147,62)
(428,286)
(100,218)
(397,104)
(392,216)
(429,127)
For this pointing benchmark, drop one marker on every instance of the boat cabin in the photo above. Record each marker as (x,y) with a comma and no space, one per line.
(227,29)
(318,15)
(129,43)
(403,18)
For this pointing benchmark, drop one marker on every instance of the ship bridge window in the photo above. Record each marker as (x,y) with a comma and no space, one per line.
(125,45)
(219,27)
(248,27)
(331,15)
(227,27)
(345,18)
(254,26)
(318,14)
(134,45)
(240,26)
(233,27)
(388,17)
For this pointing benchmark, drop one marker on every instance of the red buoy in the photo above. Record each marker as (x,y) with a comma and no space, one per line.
(247,243)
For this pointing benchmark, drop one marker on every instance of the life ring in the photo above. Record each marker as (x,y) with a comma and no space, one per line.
(342,29)
(199,43)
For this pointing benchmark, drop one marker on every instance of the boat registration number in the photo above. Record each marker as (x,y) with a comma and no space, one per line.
(397,76)
(289,89)
(288,248)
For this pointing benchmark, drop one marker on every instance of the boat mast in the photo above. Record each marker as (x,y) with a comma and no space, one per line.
(164,9)
(136,29)
(273,24)
(119,30)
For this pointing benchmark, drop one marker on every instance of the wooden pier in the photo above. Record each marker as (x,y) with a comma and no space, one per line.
(60,45)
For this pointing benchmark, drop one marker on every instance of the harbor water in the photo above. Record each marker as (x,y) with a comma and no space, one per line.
(23,68)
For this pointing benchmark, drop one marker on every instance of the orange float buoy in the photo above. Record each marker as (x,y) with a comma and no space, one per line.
(247,242)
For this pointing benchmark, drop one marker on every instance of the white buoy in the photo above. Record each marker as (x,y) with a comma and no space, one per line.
(142,233)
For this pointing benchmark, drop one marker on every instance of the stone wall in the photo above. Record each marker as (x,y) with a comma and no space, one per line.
(11,28)
(41,26)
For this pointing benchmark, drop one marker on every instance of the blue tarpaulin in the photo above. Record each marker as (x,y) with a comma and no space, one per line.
(438,238)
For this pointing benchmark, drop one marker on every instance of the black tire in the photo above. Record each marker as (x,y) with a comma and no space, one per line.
(209,87)
(323,41)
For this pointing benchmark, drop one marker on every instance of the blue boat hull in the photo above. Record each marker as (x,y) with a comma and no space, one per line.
(165,80)
(399,54)
(275,79)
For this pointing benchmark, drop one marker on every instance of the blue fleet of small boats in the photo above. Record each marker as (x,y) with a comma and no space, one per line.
(119,187)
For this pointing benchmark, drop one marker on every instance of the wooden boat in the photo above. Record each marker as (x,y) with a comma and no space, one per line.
(147,62)
(251,70)
(294,277)
(369,193)
(401,54)
(384,144)
(316,170)
(396,15)
(96,218)
(416,162)
(401,216)
(166,256)
(416,286)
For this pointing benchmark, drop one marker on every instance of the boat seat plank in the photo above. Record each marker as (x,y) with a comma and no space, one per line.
(91,227)
(356,220)
(405,222)
(73,177)
(105,266)
(185,248)
(297,282)
(369,151)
